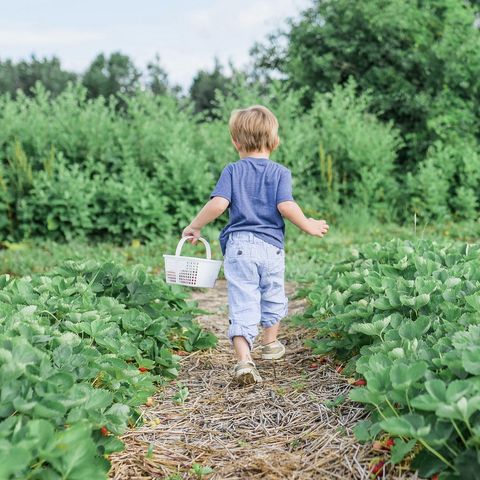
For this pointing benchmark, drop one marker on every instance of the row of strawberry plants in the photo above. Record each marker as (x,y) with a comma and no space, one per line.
(80,350)
(406,316)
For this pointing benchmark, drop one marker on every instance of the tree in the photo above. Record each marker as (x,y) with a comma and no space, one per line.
(157,79)
(115,75)
(204,86)
(26,73)
(413,55)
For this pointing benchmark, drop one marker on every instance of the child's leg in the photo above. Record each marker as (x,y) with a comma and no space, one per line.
(243,298)
(270,333)
(242,349)
(274,303)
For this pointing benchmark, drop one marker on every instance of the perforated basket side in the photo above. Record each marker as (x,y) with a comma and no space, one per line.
(188,273)
(181,270)
(191,271)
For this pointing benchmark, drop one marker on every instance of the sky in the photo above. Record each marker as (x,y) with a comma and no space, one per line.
(186,34)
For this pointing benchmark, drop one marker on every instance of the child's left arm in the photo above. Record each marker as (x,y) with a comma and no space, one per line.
(212,210)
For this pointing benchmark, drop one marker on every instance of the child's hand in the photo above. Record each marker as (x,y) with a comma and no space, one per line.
(317,228)
(191,232)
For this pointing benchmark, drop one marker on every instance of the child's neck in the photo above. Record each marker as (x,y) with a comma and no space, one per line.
(254,154)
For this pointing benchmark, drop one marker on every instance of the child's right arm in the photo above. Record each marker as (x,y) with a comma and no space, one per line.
(212,210)
(291,211)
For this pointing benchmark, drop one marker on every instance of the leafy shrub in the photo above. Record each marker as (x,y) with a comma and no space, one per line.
(71,167)
(77,168)
(363,150)
(419,60)
(58,205)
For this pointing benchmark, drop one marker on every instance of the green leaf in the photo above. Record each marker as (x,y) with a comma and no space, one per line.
(117,417)
(467,464)
(410,425)
(471,360)
(15,459)
(98,399)
(440,433)
(397,426)
(458,389)
(49,408)
(427,464)
(403,375)
(425,402)
(41,431)
(407,301)
(74,455)
(362,431)
(421,300)
(362,395)
(437,389)
(372,329)
(450,295)
(410,329)
(474,302)
(401,449)
(382,303)
(467,407)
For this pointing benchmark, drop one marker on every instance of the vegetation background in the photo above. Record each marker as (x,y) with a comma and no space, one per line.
(378,104)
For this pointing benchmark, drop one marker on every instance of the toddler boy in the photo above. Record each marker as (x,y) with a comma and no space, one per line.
(258,193)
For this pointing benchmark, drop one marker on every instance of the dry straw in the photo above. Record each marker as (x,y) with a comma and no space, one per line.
(282,429)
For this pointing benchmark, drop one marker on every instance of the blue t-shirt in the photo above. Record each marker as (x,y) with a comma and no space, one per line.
(254,187)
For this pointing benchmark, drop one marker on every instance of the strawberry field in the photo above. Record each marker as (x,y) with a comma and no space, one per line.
(81,349)
(404,318)
(86,344)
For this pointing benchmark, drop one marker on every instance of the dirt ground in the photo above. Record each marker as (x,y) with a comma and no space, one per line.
(284,428)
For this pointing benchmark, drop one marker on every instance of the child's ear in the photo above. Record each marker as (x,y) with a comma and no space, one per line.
(277,143)
(235,144)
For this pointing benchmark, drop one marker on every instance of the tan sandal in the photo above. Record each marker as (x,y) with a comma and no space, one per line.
(245,373)
(273,351)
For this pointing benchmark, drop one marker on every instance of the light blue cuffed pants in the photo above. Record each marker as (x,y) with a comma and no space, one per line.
(255,273)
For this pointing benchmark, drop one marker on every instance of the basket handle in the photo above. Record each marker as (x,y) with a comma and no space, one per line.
(182,241)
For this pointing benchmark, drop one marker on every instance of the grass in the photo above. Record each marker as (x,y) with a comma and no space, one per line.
(304,253)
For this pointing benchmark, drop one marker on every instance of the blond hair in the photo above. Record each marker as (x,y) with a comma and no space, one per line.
(254,128)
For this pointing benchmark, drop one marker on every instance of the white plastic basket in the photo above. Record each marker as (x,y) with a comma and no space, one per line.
(192,271)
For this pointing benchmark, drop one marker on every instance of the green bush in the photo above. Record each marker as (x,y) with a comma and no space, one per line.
(362,151)
(419,59)
(79,168)
(71,167)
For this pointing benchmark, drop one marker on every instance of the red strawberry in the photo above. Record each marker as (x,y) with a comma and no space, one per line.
(360,382)
(389,443)
(377,467)
(104,431)
(143,369)
(339,369)
(435,477)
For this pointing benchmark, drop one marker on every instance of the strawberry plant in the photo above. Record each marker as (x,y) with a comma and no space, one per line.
(81,349)
(406,315)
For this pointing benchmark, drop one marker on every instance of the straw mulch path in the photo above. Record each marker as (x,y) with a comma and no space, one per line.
(281,429)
